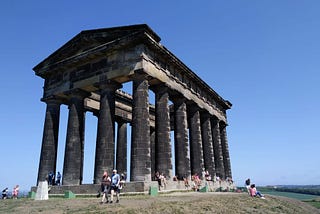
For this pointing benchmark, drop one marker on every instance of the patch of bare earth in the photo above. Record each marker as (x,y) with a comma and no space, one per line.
(190,202)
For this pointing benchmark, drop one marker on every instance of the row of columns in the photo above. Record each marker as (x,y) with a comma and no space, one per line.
(203,146)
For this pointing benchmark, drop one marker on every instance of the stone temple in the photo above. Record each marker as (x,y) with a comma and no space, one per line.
(87,74)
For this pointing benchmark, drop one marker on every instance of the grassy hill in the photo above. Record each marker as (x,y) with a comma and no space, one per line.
(191,202)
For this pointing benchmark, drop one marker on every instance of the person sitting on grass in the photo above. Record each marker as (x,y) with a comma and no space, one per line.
(163,181)
(5,193)
(254,192)
(196,182)
(186,183)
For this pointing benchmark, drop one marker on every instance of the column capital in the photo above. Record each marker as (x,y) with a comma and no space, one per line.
(77,93)
(192,108)
(160,88)
(222,124)
(140,74)
(178,99)
(108,85)
(215,119)
(205,114)
(53,99)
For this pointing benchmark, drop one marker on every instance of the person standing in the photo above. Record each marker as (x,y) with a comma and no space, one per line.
(157,178)
(247,182)
(121,183)
(15,192)
(115,180)
(53,179)
(50,176)
(105,187)
(58,180)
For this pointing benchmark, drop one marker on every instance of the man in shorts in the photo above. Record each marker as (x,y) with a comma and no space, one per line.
(115,181)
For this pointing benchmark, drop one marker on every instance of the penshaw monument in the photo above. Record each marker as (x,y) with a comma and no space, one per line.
(87,74)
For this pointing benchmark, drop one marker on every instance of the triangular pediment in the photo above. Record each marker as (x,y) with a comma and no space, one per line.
(89,39)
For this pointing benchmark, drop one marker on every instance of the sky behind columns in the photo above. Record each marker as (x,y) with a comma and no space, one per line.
(262,56)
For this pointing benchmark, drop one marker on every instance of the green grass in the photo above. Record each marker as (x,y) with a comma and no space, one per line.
(230,203)
(298,196)
(314,203)
(312,200)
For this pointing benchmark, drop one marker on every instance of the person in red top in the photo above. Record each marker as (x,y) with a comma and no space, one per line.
(105,187)
(15,192)
(254,192)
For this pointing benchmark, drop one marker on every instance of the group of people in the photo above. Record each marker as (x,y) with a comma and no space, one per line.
(161,178)
(252,190)
(111,185)
(198,181)
(15,192)
(195,182)
(53,180)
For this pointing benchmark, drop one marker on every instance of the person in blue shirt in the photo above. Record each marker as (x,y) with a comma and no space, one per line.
(51,175)
(58,180)
(115,181)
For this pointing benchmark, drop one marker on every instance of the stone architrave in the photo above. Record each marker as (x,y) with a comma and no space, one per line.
(162,125)
(105,146)
(182,160)
(218,155)
(121,157)
(140,169)
(48,155)
(196,151)
(208,154)
(73,158)
(225,150)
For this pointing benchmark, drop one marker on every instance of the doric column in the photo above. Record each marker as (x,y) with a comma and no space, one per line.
(196,151)
(218,156)
(225,150)
(140,169)
(73,158)
(208,154)
(104,159)
(48,156)
(121,158)
(162,125)
(182,161)
(153,151)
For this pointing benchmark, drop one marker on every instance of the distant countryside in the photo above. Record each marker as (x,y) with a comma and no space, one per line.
(306,193)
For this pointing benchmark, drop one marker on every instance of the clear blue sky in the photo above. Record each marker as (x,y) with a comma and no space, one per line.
(262,56)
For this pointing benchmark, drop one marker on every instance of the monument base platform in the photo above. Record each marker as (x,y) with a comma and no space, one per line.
(140,187)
